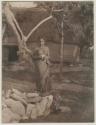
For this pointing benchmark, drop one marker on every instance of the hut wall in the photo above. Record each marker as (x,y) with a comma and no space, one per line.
(71,52)
(29,19)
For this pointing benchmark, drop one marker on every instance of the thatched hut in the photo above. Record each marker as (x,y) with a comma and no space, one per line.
(29,18)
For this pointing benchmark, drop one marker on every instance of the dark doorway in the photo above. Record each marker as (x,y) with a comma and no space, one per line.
(12,56)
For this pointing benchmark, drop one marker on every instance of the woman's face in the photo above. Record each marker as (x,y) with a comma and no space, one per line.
(42,42)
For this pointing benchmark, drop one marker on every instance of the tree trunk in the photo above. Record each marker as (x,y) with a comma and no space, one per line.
(62,50)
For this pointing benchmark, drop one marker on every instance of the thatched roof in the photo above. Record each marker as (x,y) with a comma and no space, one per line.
(29,18)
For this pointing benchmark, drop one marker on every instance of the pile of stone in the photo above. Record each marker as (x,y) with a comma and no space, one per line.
(18,106)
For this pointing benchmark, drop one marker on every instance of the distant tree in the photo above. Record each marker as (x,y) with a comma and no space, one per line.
(78,18)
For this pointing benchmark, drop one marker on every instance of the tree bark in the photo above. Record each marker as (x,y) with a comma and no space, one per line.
(37,26)
(17,30)
(62,50)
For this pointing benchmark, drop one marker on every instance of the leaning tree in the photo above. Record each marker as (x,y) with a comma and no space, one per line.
(73,16)
(22,39)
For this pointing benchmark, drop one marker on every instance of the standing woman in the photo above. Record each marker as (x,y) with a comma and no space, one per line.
(41,61)
(40,58)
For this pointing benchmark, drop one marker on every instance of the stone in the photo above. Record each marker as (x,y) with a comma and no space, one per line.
(3,103)
(48,105)
(56,102)
(9,117)
(16,106)
(17,92)
(34,113)
(43,108)
(8,93)
(34,99)
(18,98)
(40,108)
(29,95)
(29,109)
(65,109)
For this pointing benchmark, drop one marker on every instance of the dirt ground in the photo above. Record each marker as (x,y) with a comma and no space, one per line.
(76,89)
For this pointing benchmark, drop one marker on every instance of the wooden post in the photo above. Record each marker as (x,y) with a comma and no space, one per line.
(62,49)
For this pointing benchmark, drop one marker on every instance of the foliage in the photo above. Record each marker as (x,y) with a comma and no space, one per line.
(78,18)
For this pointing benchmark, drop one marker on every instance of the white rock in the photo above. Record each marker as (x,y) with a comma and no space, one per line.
(32,95)
(8,93)
(50,100)
(18,98)
(34,113)
(17,92)
(43,108)
(48,106)
(9,117)
(40,108)
(3,103)
(30,107)
(16,106)
(65,109)
(34,99)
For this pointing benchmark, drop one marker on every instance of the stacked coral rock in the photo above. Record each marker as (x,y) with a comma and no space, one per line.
(17,106)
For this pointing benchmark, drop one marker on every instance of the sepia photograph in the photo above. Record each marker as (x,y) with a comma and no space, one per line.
(47,62)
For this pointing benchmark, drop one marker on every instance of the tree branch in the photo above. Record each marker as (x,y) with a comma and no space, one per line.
(37,26)
(13,22)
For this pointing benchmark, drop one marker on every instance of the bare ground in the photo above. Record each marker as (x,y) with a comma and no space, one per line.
(76,88)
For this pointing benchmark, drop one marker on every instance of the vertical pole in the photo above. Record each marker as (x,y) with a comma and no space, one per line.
(62,49)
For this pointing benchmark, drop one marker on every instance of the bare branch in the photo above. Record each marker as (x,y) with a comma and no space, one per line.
(13,22)
(37,26)
(20,36)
